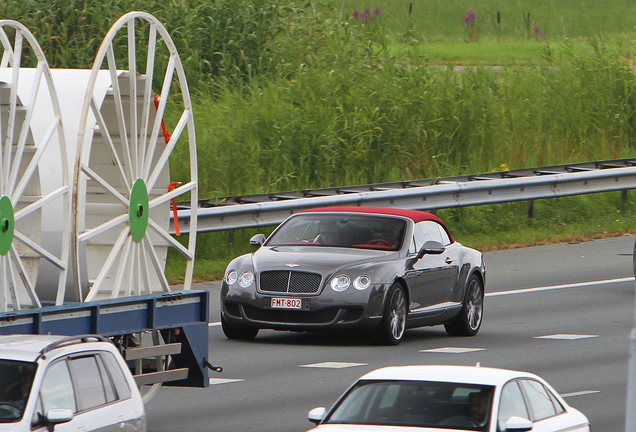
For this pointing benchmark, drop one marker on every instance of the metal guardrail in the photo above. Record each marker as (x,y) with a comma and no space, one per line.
(499,187)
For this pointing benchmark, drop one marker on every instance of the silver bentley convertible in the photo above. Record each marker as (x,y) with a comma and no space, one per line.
(379,270)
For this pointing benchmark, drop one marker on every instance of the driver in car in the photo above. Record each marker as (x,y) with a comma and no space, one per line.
(331,234)
(479,407)
(391,234)
(477,416)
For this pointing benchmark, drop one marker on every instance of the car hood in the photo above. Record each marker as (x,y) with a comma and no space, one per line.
(316,258)
(374,428)
(11,427)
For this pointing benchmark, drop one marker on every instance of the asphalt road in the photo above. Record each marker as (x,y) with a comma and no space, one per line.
(586,361)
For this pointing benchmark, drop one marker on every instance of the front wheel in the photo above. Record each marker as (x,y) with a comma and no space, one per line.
(238,332)
(468,321)
(393,325)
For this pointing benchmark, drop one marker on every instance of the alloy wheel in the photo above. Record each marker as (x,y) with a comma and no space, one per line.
(398,314)
(475,305)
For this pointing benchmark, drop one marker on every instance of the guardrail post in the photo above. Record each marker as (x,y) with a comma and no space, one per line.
(530,209)
(624,195)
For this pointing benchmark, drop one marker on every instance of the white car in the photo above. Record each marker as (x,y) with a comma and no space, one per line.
(66,383)
(449,398)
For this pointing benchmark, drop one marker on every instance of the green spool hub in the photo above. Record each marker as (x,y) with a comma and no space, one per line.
(138,210)
(7,225)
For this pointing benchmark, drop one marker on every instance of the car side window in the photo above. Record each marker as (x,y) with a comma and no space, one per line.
(541,404)
(116,374)
(57,388)
(557,405)
(445,238)
(109,389)
(511,404)
(425,231)
(88,382)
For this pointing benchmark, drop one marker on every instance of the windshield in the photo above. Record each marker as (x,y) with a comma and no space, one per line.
(416,403)
(344,230)
(16,378)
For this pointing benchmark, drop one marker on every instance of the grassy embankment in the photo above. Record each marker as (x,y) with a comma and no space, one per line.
(363,103)
(291,95)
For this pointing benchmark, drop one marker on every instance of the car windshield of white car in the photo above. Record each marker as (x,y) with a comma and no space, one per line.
(16,378)
(416,403)
(341,230)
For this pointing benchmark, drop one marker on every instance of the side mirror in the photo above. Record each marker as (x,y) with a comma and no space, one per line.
(518,424)
(257,240)
(316,415)
(56,416)
(431,247)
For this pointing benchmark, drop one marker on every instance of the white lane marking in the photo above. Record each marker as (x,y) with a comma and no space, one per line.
(452,350)
(333,365)
(564,336)
(579,393)
(557,287)
(214,324)
(214,381)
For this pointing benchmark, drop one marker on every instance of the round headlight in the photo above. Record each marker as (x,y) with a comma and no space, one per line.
(340,283)
(246,279)
(362,282)
(231,277)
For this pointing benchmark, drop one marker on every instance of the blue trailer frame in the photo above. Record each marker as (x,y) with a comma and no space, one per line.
(183,315)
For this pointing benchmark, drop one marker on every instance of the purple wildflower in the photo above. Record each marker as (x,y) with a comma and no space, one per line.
(367,15)
(355,12)
(377,11)
(472,27)
(538,33)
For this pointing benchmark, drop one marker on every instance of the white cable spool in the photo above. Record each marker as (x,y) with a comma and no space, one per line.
(34,192)
(121,177)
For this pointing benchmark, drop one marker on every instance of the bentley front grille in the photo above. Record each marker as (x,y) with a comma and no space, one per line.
(286,281)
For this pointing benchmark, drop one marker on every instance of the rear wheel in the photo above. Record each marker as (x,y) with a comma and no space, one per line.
(393,325)
(468,321)
(238,332)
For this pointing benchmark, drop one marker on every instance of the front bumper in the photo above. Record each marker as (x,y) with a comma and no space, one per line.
(349,310)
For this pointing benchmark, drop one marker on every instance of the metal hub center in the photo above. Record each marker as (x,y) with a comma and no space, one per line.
(138,214)
(7,225)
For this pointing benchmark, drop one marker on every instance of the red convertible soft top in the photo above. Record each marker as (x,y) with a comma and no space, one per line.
(414,215)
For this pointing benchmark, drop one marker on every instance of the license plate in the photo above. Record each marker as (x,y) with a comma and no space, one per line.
(286,303)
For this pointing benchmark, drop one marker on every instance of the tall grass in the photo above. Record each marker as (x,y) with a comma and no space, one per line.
(370,116)
(221,39)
